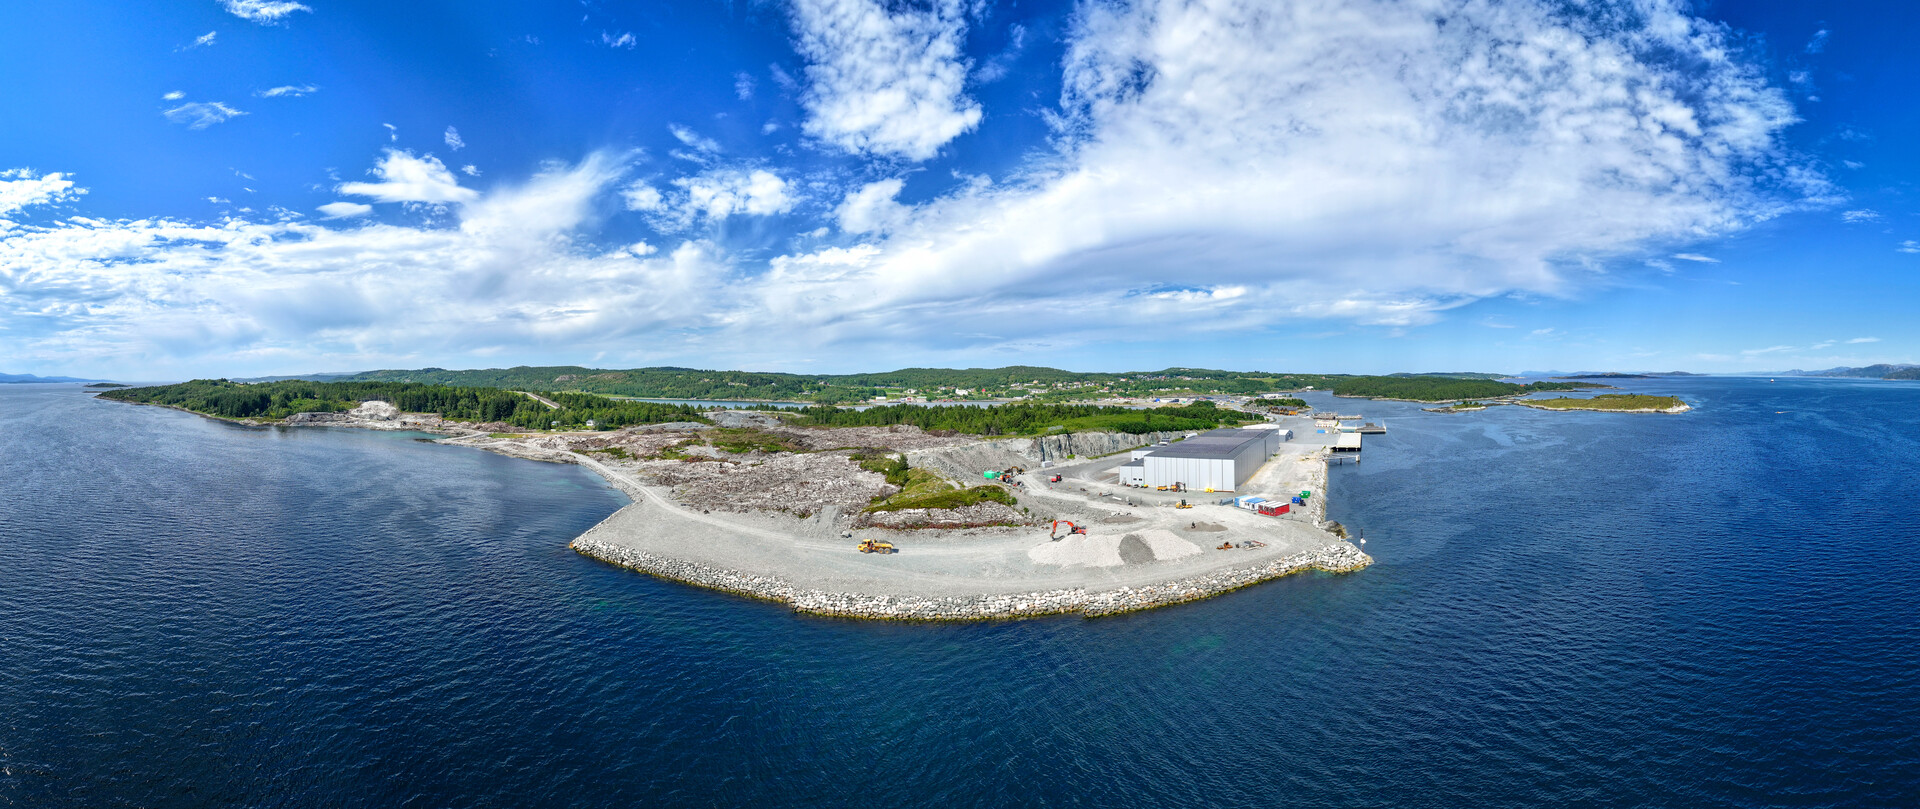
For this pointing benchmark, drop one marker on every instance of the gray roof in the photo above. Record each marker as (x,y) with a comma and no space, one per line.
(1136,462)
(1225,442)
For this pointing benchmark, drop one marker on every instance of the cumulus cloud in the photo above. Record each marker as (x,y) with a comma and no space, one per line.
(641,196)
(743,86)
(240,293)
(201,114)
(884,79)
(175,95)
(265,12)
(624,40)
(470,170)
(1908,246)
(406,178)
(719,194)
(453,139)
(342,210)
(1368,160)
(693,140)
(872,208)
(1855,217)
(20,188)
(288,90)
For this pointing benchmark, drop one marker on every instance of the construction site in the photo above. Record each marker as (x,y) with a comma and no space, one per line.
(894,522)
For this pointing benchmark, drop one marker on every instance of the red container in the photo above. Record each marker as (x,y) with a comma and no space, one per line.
(1275,511)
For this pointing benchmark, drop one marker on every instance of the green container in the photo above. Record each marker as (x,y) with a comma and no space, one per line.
(1304,494)
(989,475)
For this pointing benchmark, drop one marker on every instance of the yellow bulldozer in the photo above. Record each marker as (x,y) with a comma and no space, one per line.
(1183,504)
(876,546)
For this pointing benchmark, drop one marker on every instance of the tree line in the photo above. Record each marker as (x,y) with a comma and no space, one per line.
(277,400)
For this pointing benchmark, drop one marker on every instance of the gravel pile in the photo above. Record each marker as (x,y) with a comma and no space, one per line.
(974,516)
(1336,558)
(797,484)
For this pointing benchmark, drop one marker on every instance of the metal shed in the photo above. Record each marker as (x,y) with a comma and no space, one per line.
(1220,460)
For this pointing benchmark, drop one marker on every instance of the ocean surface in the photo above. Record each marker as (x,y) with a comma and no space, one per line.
(1715,609)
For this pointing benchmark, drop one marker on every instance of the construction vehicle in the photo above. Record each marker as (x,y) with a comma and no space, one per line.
(1071,529)
(871,545)
(1054,479)
(1182,504)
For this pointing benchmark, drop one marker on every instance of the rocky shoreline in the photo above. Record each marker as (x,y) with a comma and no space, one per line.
(1338,558)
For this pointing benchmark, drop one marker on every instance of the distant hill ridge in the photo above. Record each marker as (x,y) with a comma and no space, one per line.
(1879,371)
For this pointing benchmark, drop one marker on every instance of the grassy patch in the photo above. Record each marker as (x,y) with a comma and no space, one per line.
(739,440)
(1610,401)
(617,452)
(918,484)
(951,498)
(504,435)
(891,464)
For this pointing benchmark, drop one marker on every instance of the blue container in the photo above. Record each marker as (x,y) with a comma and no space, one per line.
(1299,502)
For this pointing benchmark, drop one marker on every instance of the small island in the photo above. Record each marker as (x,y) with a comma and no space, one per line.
(1612,403)
(891,512)
(104,385)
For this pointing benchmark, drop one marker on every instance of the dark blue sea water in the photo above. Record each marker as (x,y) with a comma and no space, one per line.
(1717,609)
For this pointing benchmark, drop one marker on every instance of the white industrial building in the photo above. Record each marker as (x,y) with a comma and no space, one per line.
(1221,460)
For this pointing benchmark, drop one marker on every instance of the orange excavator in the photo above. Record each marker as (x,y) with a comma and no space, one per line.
(1071,529)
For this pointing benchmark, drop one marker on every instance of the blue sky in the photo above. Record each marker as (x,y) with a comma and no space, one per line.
(240,187)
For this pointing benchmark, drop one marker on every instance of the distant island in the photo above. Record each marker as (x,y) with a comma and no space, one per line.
(891,511)
(107,385)
(30,378)
(1605,402)
(1881,371)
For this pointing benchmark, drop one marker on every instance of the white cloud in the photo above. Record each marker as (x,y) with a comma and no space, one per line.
(1754,352)
(406,178)
(174,96)
(1696,257)
(1908,246)
(453,139)
(203,40)
(20,188)
(470,170)
(201,114)
(342,210)
(1823,344)
(1855,217)
(623,40)
(1514,146)
(287,90)
(872,208)
(884,82)
(693,139)
(393,133)
(1818,42)
(643,197)
(265,12)
(719,194)
(156,292)
(1858,340)
(1853,164)
(743,86)
(642,249)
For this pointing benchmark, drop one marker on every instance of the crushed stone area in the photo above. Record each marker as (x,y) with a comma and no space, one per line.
(797,484)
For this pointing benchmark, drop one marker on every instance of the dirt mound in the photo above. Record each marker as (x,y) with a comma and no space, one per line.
(796,484)
(1134,550)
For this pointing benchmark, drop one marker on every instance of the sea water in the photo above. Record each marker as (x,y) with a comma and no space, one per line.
(1712,609)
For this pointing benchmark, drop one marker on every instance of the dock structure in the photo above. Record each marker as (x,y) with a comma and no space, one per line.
(1371,428)
(1346,442)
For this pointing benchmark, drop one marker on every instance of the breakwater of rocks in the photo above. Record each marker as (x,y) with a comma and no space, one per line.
(1337,557)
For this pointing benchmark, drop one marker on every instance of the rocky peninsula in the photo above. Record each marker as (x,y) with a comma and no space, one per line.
(756,506)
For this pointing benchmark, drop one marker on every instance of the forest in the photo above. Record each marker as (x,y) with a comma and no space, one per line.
(277,400)
(1442,389)
(1028,419)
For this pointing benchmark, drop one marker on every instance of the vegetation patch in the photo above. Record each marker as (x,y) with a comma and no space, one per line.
(1610,401)
(960,498)
(916,484)
(277,400)
(1028,419)
(738,440)
(891,464)
(1442,388)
